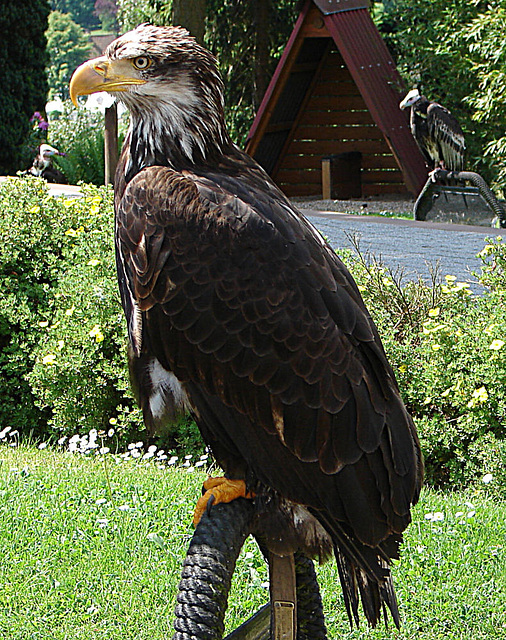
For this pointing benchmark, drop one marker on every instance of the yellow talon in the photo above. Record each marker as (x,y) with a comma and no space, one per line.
(220,490)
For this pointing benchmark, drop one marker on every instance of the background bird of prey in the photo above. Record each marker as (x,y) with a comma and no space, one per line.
(240,312)
(43,167)
(436,131)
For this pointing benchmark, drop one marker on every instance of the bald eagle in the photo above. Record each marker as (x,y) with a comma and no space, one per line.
(240,312)
(437,133)
(42,166)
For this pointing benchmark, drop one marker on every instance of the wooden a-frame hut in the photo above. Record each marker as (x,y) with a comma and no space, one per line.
(334,102)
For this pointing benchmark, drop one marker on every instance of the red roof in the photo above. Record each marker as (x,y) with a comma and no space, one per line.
(378,84)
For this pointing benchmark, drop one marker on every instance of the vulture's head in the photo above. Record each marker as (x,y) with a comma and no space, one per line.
(46,152)
(411,98)
(168,82)
(44,155)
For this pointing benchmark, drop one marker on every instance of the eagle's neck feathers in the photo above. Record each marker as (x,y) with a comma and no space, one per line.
(181,125)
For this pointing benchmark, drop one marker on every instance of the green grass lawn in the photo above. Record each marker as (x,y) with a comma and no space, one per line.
(90,555)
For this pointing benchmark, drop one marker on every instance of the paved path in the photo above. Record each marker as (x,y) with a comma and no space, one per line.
(408,244)
(405,244)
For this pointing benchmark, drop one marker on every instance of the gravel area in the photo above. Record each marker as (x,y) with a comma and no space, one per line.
(393,205)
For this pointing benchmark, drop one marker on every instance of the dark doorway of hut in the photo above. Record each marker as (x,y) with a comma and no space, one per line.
(459,196)
(295,610)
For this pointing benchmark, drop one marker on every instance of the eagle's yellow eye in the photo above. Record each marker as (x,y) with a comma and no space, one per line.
(142,62)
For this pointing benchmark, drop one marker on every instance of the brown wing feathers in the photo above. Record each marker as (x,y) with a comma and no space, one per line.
(268,333)
(447,134)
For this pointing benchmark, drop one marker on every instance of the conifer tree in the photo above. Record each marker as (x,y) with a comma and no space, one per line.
(23,82)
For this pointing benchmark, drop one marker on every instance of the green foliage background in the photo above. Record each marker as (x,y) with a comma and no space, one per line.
(68,46)
(22,76)
(63,337)
(82,11)
(455,52)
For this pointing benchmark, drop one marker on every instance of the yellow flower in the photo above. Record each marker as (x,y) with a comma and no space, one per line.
(403,368)
(459,286)
(487,250)
(93,262)
(427,329)
(113,421)
(433,313)
(436,347)
(479,397)
(97,333)
(49,359)
(72,233)
(490,328)
(495,345)
(388,282)
(43,323)
(70,311)
(450,278)
(68,203)
(94,209)
(35,209)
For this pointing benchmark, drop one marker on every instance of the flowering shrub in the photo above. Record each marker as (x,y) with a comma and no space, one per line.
(63,339)
(448,349)
(62,364)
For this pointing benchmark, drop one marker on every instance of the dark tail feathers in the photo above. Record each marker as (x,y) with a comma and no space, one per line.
(374,593)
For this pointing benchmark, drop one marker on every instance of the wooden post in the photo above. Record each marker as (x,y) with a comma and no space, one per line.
(283,597)
(110,143)
(326,179)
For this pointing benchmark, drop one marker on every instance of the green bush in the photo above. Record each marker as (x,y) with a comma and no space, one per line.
(23,59)
(63,335)
(447,347)
(79,134)
(63,338)
(62,363)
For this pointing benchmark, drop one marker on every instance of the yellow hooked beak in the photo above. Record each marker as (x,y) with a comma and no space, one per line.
(101,74)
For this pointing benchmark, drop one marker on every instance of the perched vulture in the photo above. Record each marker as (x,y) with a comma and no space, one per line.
(437,133)
(42,166)
(240,312)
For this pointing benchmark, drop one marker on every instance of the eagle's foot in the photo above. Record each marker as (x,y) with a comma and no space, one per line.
(219,490)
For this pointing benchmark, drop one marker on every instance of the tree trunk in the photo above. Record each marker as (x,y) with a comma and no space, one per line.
(262,12)
(191,16)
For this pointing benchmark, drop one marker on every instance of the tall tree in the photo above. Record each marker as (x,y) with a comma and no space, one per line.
(134,12)
(247,38)
(262,17)
(431,44)
(22,76)
(68,47)
(191,15)
(82,11)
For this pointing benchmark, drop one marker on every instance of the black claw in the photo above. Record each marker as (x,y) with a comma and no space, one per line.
(209,504)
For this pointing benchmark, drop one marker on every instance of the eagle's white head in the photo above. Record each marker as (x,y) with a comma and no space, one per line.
(172,88)
(410,99)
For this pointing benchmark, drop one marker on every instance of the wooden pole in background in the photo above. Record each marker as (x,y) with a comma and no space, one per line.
(110,143)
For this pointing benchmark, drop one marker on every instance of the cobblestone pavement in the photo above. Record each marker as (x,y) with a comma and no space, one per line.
(408,244)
